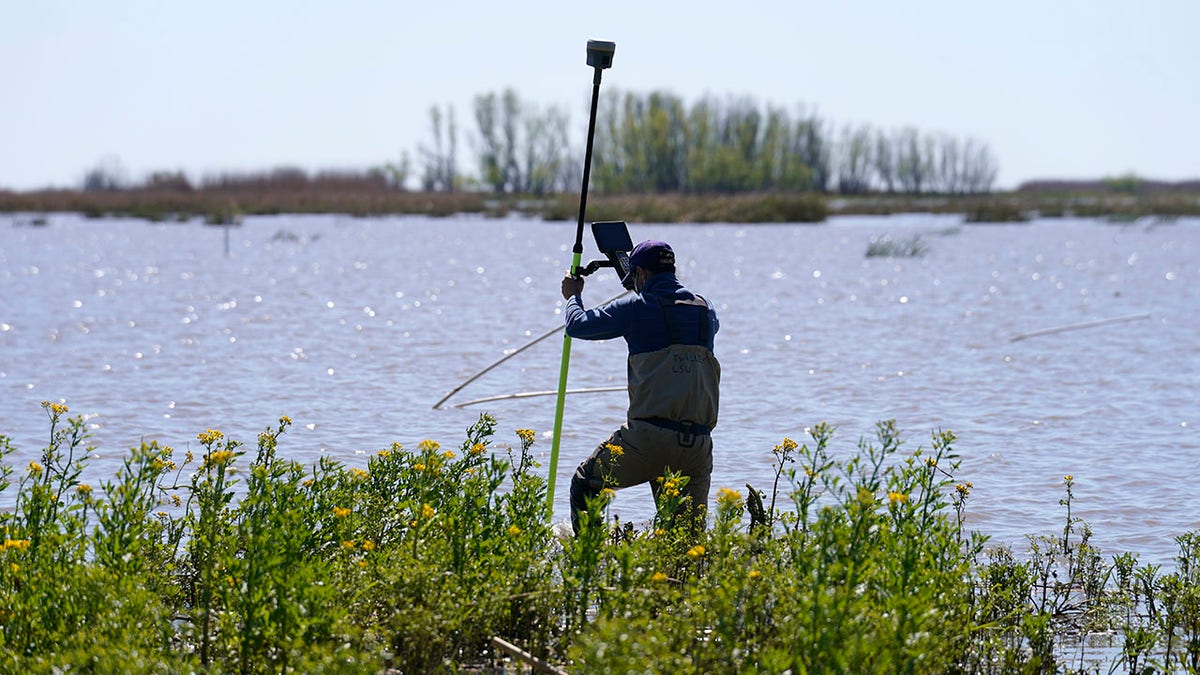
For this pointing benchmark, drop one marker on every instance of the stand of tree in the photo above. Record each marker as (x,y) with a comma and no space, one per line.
(655,143)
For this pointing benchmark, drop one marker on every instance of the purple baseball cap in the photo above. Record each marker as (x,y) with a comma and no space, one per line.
(651,255)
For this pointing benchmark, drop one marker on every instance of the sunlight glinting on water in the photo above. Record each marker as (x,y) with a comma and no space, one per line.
(355,327)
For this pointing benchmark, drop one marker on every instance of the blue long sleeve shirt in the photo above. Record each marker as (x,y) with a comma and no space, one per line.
(639,317)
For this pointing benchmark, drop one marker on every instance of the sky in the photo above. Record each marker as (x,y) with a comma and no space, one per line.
(1056,88)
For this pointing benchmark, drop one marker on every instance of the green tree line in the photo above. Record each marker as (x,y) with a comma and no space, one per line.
(656,142)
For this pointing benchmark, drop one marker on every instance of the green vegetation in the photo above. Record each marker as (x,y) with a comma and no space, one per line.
(417,561)
(905,247)
(656,143)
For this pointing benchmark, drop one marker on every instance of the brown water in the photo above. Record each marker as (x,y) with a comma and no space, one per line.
(355,327)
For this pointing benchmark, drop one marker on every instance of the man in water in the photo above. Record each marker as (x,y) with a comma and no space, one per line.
(674,381)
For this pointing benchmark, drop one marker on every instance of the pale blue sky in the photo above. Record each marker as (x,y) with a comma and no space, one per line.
(1056,88)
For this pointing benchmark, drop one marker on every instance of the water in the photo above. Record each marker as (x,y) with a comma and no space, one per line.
(355,327)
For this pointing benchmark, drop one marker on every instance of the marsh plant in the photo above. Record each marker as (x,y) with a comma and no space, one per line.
(233,558)
(905,247)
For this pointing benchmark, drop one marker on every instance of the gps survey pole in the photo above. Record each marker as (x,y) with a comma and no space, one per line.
(599,57)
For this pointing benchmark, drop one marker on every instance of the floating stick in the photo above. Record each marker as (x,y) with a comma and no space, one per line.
(511,354)
(531,394)
(538,665)
(1079,326)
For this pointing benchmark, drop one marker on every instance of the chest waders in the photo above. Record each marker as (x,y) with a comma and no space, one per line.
(677,387)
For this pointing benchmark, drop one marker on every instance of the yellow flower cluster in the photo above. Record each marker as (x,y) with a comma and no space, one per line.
(808,471)
(220,457)
(340,512)
(513,530)
(427,511)
(527,436)
(729,498)
(615,451)
(368,545)
(348,545)
(357,473)
(658,577)
(209,437)
(671,486)
(58,408)
(385,453)
(18,544)
(897,498)
(478,449)
(788,444)
(285,420)
(449,454)
(696,551)
(964,489)
(1068,479)
(754,574)
(83,489)
(428,445)
(35,469)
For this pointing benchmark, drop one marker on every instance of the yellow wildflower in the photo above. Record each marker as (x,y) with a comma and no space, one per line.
(83,489)
(35,469)
(55,409)
(658,577)
(19,544)
(754,574)
(695,551)
(449,454)
(368,545)
(220,457)
(356,472)
(513,530)
(427,511)
(788,444)
(176,500)
(1068,478)
(527,436)
(897,498)
(348,545)
(209,437)
(188,458)
(964,489)
(478,449)
(385,453)
(658,532)
(930,462)
(608,493)
(340,512)
(285,420)
(809,472)
(362,563)
(615,451)
(428,445)
(729,498)
(418,467)
(306,482)
(14,567)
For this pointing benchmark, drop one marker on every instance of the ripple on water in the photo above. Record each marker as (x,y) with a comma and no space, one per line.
(354,332)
